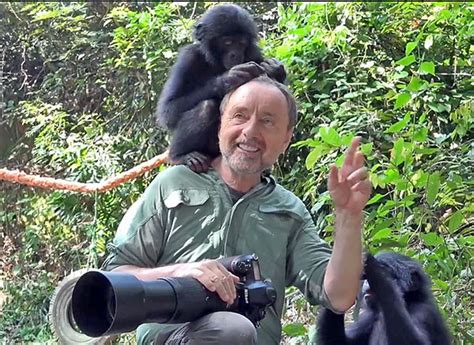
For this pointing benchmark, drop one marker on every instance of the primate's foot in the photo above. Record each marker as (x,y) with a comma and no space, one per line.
(196,161)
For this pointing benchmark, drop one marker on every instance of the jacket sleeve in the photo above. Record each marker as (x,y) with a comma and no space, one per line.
(140,235)
(308,257)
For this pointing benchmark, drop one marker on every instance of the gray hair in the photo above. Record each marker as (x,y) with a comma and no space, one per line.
(290,99)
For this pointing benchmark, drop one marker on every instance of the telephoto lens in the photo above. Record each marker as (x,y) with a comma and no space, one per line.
(105,303)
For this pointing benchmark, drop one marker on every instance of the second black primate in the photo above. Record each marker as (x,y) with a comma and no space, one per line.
(225,56)
(398,309)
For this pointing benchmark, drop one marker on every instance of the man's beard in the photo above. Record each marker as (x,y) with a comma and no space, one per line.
(241,165)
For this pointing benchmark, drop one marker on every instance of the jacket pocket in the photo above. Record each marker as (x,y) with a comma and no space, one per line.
(190,221)
(188,197)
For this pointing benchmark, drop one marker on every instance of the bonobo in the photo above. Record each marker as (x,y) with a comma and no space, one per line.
(398,308)
(225,56)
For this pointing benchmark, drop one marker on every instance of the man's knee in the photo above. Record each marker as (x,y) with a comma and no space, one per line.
(213,329)
(235,328)
(217,328)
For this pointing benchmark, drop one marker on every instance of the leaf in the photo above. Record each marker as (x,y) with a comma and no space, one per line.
(347,139)
(439,107)
(406,61)
(421,134)
(398,126)
(402,100)
(416,84)
(455,221)
(402,185)
(314,156)
(375,198)
(295,329)
(433,187)
(382,234)
(441,284)
(426,150)
(397,152)
(330,136)
(401,75)
(431,239)
(409,47)
(427,67)
(44,15)
(419,179)
(469,240)
(366,149)
(351,95)
(428,42)
(340,160)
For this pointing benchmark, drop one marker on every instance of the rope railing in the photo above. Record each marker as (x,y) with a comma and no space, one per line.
(16,176)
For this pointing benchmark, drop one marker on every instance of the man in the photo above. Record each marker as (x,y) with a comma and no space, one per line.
(186,220)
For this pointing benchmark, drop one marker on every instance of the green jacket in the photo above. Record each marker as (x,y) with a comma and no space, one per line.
(186,217)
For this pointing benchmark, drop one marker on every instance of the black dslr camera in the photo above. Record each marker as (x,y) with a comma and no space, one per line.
(105,303)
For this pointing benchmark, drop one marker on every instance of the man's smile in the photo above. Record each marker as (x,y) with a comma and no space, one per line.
(248,148)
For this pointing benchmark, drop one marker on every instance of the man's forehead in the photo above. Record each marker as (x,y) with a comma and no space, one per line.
(264,93)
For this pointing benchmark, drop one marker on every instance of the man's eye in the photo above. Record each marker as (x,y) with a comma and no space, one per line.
(238,115)
(267,121)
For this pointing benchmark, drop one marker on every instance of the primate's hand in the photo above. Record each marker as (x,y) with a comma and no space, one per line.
(274,69)
(379,279)
(238,75)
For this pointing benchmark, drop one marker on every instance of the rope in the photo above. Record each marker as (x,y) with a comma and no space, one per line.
(17,176)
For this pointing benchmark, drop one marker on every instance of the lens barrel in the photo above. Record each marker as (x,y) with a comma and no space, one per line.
(105,303)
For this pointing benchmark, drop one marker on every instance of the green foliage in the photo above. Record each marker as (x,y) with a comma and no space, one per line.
(394,74)
(80,84)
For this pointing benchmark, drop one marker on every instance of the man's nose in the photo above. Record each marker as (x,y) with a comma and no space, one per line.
(251,128)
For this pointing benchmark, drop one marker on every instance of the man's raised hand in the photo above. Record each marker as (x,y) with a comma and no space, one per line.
(350,186)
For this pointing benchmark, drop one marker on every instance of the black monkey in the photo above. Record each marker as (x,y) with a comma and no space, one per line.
(224,57)
(398,308)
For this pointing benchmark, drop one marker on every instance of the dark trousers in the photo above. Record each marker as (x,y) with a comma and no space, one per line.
(216,328)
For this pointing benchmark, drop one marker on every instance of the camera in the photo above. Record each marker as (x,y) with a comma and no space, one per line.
(105,303)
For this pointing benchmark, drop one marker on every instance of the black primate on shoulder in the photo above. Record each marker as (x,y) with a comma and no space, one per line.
(398,308)
(224,57)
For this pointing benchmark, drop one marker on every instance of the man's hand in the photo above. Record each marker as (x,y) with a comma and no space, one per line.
(213,275)
(349,186)
(350,190)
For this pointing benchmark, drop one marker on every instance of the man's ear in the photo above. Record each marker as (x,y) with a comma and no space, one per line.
(289,136)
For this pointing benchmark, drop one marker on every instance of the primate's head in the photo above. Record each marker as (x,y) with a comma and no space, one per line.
(227,36)
(406,273)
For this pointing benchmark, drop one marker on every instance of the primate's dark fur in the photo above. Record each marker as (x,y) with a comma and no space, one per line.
(225,56)
(399,308)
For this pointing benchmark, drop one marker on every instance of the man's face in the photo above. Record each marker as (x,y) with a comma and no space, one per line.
(254,128)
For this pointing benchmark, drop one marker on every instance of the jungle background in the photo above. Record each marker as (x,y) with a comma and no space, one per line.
(79,84)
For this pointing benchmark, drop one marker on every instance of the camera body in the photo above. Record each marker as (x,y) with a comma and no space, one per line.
(105,303)
(254,293)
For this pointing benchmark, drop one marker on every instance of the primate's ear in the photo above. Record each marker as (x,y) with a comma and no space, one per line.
(199,31)
(416,281)
(370,261)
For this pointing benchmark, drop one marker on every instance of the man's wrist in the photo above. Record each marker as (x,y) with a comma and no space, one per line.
(344,212)
(348,219)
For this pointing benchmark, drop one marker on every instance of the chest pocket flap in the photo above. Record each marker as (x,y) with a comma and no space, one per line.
(281,212)
(188,197)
